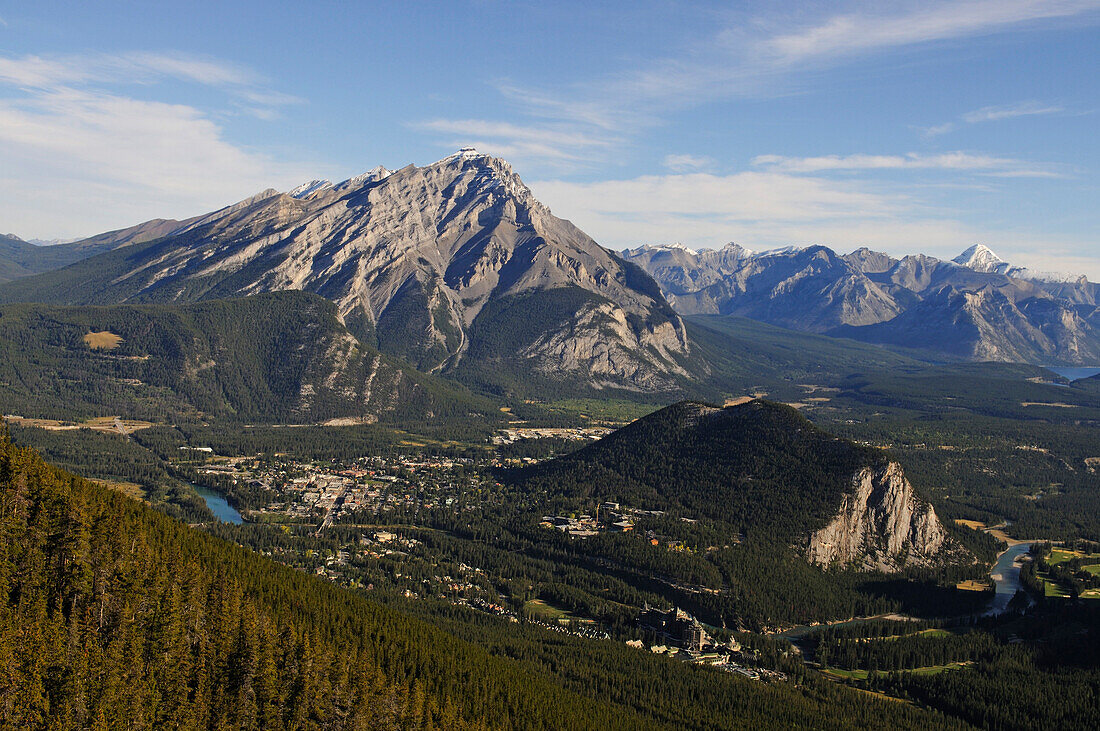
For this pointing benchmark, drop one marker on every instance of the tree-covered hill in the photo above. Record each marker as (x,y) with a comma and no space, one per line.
(281,357)
(759,468)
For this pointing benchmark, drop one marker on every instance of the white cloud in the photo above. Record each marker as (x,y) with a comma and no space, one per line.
(766,55)
(79,157)
(686,163)
(936,130)
(753,57)
(994,114)
(519,143)
(705,208)
(52,73)
(855,33)
(770,209)
(949,161)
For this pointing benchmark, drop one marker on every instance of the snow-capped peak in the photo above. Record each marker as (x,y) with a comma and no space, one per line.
(371,176)
(677,245)
(981,259)
(467,153)
(307,189)
(738,248)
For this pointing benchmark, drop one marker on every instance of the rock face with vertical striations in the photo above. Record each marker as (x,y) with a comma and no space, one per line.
(454,267)
(881,525)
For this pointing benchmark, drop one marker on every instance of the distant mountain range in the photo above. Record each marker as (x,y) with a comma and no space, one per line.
(975,307)
(454,267)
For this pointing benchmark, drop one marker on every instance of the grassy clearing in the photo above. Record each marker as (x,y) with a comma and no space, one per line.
(1061,555)
(108,424)
(1053,590)
(544,611)
(105,340)
(538,609)
(603,410)
(131,489)
(839,674)
(936,633)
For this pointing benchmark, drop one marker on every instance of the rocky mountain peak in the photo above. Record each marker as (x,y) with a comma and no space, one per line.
(431,263)
(981,259)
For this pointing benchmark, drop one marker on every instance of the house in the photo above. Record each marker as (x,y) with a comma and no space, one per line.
(676,625)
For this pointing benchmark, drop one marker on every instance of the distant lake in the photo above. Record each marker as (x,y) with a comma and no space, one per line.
(221,509)
(1074,373)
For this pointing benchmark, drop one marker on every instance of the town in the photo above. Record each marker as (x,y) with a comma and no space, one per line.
(362,524)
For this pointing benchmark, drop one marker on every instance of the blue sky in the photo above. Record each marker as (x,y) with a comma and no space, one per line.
(903,126)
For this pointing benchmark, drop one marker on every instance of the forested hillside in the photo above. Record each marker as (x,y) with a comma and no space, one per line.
(281,357)
(115,616)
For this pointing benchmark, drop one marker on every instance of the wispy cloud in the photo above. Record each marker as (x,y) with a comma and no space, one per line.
(699,206)
(767,55)
(686,163)
(857,33)
(764,210)
(548,143)
(936,130)
(52,73)
(994,114)
(948,161)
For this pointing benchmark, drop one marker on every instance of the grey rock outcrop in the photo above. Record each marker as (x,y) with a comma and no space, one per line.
(881,525)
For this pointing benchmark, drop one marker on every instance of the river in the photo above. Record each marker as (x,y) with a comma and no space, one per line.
(1006,577)
(218,505)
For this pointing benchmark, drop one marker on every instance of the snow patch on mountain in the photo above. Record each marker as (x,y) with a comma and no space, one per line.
(305,190)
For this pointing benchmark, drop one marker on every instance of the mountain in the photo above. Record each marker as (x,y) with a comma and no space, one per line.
(19,258)
(985,324)
(274,358)
(974,307)
(762,470)
(454,267)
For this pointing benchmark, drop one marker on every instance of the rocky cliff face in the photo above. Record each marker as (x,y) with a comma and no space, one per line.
(881,525)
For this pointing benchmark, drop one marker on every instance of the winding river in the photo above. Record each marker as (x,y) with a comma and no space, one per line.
(1006,577)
